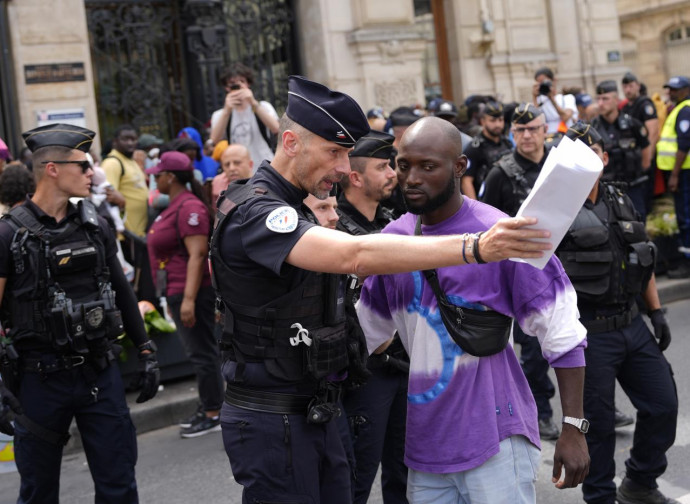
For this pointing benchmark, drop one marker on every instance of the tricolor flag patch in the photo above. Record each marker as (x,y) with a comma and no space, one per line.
(282,220)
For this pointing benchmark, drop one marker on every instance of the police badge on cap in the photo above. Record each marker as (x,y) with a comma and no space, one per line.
(526,112)
(59,135)
(583,131)
(332,115)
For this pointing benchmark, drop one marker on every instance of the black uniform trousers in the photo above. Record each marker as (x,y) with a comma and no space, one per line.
(376,413)
(536,369)
(283,459)
(105,427)
(632,356)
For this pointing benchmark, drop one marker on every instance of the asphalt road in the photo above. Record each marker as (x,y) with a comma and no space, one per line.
(172,470)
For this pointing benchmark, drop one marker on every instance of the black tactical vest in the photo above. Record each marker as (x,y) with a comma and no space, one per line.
(521,186)
(59,295)
(491,153)
(606,252)
(625,155)
(274,332)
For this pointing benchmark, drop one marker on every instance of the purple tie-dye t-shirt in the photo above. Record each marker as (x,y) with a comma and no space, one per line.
(461,407)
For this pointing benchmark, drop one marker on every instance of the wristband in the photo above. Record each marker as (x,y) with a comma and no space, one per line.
(464,242)
(477,257)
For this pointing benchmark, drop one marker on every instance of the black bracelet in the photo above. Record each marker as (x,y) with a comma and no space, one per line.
(476,249)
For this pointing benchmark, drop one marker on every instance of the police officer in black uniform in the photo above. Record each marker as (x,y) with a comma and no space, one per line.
(506,186)
(485,149)
(285,334)
(610,261)
(64,300)
(625,140)
(376,410)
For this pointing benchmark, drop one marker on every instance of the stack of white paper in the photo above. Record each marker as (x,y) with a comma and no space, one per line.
(565,181)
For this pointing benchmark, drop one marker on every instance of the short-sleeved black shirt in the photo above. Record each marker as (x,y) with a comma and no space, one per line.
(482,154)
(642,109)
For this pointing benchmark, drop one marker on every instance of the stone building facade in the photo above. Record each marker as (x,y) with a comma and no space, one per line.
(382,52)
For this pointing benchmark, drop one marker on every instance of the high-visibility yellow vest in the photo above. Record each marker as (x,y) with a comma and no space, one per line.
(667,146)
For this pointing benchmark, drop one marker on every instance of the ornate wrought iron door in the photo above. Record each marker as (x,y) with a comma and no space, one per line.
(136,55)
(261,34)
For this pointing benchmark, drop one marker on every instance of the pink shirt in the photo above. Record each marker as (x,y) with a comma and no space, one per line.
(185,216)
(219,184)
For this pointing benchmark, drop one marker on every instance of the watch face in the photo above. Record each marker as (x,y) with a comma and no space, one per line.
(584,427)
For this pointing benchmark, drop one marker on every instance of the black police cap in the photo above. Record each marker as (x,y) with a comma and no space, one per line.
(493,109)
(583,131)
(62,135)
(446,109)
(607,86)
(332,115)
(403,116)
(525,113)
(628,78)
(375,144)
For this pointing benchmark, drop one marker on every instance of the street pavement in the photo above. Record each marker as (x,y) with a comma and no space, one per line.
(172,470)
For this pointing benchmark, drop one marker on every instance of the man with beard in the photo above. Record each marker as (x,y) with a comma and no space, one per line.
(285,337)
(375,410)
(486,148)
(472,433)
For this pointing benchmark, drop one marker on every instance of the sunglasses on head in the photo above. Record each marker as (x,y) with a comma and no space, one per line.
(84,165)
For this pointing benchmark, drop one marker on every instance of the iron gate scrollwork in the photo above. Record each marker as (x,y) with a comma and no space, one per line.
(156,62)
(261,34)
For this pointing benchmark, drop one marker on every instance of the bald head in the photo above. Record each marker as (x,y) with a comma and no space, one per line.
(236,162)
(435,133)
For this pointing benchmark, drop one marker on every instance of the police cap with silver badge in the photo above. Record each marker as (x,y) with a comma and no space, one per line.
(59,135)
(607,86)
(525,113)
(493,109)
(583,131)
(678,82)
(332,115)
(375,144)
(446,109)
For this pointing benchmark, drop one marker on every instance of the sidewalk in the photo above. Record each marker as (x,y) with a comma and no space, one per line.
(178,399)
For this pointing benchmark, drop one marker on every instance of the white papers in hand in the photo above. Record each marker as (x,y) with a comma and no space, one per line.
(565,181)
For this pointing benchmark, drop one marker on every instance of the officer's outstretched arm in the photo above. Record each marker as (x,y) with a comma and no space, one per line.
(325,250)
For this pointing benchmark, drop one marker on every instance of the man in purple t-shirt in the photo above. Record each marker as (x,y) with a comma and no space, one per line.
(472,432)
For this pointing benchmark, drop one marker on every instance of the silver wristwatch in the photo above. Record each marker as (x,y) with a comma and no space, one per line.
(582,424)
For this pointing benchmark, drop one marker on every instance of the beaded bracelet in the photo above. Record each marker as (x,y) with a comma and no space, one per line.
(477,257)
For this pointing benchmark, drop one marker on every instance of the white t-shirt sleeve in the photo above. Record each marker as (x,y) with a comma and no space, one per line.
(269,107)
(215,117)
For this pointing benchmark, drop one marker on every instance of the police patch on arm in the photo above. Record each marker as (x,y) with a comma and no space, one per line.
(282,220)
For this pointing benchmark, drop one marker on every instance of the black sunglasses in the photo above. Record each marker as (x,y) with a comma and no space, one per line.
(84,165)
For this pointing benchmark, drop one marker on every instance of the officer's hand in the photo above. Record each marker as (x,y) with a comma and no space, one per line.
(510,238)
(662,331)
(149,374)
(672,182)
(572,455)
(8,403)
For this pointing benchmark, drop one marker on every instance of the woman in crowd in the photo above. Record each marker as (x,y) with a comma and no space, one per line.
(178,248)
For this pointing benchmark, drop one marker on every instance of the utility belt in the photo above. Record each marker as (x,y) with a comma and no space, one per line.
(52,363)
(604,324)
(319,408)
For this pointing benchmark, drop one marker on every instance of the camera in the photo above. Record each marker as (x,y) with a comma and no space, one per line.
(545,87)
(234,87)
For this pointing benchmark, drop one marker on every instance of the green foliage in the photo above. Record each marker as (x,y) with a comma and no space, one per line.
(662,220)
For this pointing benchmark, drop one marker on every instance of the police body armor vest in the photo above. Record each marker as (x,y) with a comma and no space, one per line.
(625,156)
(492,153)
(516,175)
(274,333)
(608,265)
(60,296)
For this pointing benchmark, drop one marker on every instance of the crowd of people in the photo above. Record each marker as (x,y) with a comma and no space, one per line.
(317,379)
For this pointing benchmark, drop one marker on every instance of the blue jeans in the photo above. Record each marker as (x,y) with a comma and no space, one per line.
(506,478)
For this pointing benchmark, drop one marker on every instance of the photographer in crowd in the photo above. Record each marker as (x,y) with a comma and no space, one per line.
(560,110)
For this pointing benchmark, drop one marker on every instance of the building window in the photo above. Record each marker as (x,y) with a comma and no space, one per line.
(677,49)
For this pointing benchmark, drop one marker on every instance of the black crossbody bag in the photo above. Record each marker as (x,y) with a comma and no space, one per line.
(478,332)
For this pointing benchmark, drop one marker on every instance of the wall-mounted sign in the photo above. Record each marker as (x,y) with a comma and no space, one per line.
(613,56)
(74,116)
(54,72)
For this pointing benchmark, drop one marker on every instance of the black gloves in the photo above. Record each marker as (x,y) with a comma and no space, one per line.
(149,374)
(8,402)
(662,331)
